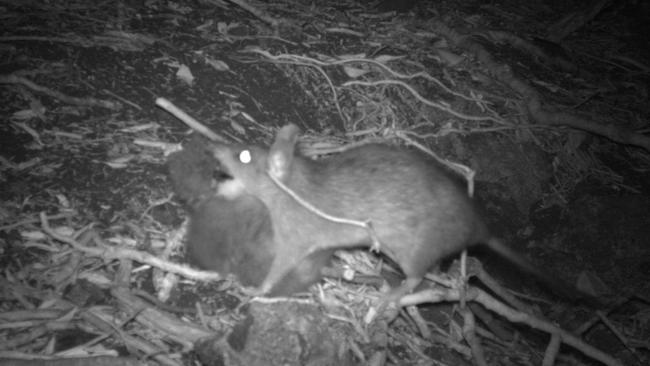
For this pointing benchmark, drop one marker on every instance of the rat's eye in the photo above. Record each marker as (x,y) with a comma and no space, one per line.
(245,156)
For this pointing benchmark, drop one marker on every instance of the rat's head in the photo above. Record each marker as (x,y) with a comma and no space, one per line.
(249,166)
(245,165)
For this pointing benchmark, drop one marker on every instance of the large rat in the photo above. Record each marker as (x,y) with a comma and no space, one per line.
(418,211)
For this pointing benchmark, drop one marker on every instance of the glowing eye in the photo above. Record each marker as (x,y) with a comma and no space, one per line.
(245,156)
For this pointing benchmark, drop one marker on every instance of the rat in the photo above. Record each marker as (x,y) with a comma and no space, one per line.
(419,212)
(234,235)
(230,233)
(231,236)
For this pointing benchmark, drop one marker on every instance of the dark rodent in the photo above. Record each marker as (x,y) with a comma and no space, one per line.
(229,235)
(419,213)
(235,236)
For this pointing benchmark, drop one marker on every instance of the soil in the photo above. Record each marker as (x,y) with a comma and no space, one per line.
(82,136)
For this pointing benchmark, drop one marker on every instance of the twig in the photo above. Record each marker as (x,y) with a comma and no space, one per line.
(552,350)
(258,13)
(420,322)
(495,287)
(596,318)
(461,169)
(621,337)
(124,100)
(379,64)
(62,215)
(109,253)
(307,61)
(91,102)
(366,225)
(441,106)
(188,120)
(469,333)
(83,42)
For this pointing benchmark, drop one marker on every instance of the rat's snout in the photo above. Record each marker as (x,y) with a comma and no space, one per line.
(231,189)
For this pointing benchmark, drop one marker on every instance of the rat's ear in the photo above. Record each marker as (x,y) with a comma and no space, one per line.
(281,154)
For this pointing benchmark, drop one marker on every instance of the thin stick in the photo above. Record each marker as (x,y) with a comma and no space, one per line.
(91,102)
(367,224)
(188,120)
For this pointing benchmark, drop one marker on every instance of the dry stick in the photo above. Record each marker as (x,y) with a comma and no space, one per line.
(414,343)
(303,60)
(346,31)
(307,61)
(603,317)
(366,225)
(420,74)
(438,295)
(258,13)
(469,333)
(461,169)
(188,120)
(496,287)
(62,215)
(91,102)
(334,93)
(108,253)
(495,327)
(424,100)
(83,42)
(122,99)
(552,350)
(419,321)
(596,318)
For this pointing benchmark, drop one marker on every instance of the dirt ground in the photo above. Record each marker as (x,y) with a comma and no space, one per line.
(547,103)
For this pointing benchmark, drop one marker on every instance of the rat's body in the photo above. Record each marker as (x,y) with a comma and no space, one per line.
(419,213)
